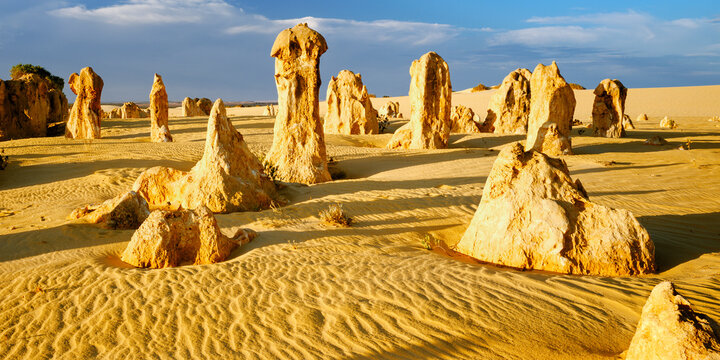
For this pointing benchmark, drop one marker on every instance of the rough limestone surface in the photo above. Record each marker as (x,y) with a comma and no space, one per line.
(59,110)
(227,178)
(171,238)
(532,215)
(269,110)
(642,117)
(552,106)
(205,105)
(670,329)
(509,106)
(190,108)
(298,149)
(462,120)
(609,108)
(666,123)
(159,128)
(656,140)
(627,123)
(116,113)
(84,121)
(24,107)
(349,110)
(130,110)
(389,110)
(430,105)
(125,211)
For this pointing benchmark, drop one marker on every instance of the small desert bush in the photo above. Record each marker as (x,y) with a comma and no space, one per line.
(479,87)
(335,216)
(19,70)
(428,242)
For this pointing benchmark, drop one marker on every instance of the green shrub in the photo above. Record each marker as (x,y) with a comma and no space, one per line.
(19,70)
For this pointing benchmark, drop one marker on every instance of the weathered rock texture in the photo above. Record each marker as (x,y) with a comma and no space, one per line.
(128,110)
(116,113)
(269,111)
(159,127)
(627,123)
(670,329)
(552,106)
(533,216)
(609,108)
(430,104)
(170,238)
(349,110)
(668,123)
(298,149)
(389,110)
(27,105)
(656,140)
(509,106)
(228,178)
(462,120)
(125,211)
(205,105)
(84,121)
(190,108)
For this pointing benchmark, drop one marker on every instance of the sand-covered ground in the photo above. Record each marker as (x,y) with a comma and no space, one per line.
(301,290)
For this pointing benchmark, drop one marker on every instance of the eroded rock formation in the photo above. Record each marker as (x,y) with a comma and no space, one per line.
(125,211)
(349,110)
(170,238)
(642,117)
(298,149)
(462,120)
(430,104)
(128,110)
(509,106)
(670,329)
(190,108)
(228,178)
(533,216)
(27,105)
(667,123)
(205,105)
(627,123)
(552,106)
(159,127)
(84,121)
(389,110)
(609,108)
(269,111)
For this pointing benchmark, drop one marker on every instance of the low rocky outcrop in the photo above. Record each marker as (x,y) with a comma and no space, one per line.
(666,123)
(509,106)
(552,106)
(24,107)
(670,329)
(190,108)
(227,178)
(642,117)
(627,123)
(532,215)
(349,110)
(128,110)
(171,238)
(269,111)
(125,211)
(159,126)
(116,113)
(298,149)
(84,121)
(462,120)
(205,105)
(656,140)
(609,109)
(389,110)
(430,104)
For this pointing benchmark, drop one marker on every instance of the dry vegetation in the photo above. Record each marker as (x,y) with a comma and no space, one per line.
(335,216)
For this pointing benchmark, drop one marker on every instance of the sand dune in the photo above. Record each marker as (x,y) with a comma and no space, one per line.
(301,290)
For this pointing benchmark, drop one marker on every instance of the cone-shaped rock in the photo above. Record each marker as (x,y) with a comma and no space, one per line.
(170,238)
(552,106)
(462,120)
(159,128)
(609,108)
(298,148)
(190,108)
(228,178)
(84,121)
(533,216)
(509,106)
(349,111)
(627,123)
(430,105)
(642,117)
(670,329)
(125,211)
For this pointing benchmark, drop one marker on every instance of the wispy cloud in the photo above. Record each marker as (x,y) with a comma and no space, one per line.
(133,12)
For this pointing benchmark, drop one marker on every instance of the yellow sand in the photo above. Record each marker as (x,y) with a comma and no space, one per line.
(301,290)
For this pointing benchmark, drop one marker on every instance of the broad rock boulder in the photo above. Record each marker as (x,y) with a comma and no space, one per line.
(552,106)
(84,121)
(130,110)
(171,238)
(670,329)
(28,105)
(430,104)
(190,108)
(509,106)
(609,108)
(227,178)
(389,110)
(462,120)
(159,127)
(205,105)
(532,215)
(349,109)
(116,113)
(125,211)
(298,149)
(667,123)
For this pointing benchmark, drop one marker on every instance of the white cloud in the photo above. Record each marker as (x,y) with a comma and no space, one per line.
(547,35)
(134,12)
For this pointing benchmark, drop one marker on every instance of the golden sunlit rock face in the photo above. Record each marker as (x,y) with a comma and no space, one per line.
(159,127)
(430,106)
(349,110)
(25,106)
(190,108)
(552,105)
(609,109)
(532,215)
(669,328)
(227,178)
(462,120)
(298,149)
(84,121)
(509,106)
(389,110)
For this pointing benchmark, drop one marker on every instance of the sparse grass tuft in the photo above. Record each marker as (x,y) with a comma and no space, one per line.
(335,216)
(428,242)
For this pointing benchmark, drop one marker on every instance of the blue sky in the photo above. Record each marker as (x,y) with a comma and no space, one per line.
(220,48)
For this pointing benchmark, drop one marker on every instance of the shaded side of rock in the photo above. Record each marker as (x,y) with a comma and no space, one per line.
(205,105)
(609,109)
(349,109)
(190,108)
(462,120)
(509,106)
(552,106)
(25,107)
(125,211)
(627,123)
